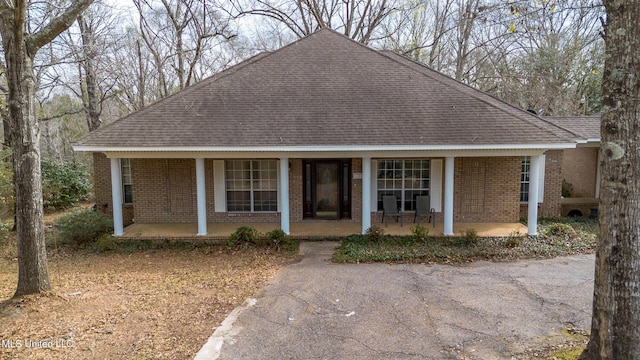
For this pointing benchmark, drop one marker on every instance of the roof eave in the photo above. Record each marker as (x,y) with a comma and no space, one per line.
(320,149)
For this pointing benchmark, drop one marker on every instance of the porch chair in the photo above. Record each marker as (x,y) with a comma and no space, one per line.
(390,208)
(423,208)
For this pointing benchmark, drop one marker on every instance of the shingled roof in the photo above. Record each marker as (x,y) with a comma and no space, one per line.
(585,127)
(327,90)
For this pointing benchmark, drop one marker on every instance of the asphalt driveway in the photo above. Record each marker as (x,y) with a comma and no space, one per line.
(318,310)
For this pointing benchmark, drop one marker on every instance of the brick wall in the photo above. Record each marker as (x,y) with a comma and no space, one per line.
(579,168)
(164,190)
(487,189)
(550,206)
(295,191)
(102,189)
(494,194)
(356,190)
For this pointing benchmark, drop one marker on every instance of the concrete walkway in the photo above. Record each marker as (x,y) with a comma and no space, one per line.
(318,310)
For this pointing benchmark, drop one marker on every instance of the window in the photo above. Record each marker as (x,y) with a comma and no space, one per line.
(524,179)
(127,187)
(252,185)
(405,179)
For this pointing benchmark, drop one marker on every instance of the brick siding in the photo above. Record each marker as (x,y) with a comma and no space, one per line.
(102,189)
(579,168)
(488,190)
(494,184)
(551,206)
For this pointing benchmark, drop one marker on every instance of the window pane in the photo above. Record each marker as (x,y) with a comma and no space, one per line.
(265,201)
(252,179)
(127,188)
(128,194)
(403,178)
(238,201)
(524,179)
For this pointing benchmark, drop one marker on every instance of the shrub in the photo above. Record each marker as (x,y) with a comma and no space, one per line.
(64,184)
(5,229)
(280,241)
(83,227)
(374,234)
(276,237)
(470,237)
(244,235)
(106,242)
(514,239)
(565,231)
(7,199)
(420,233)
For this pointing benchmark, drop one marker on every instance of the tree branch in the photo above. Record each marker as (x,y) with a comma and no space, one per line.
(57,25)
(70,112)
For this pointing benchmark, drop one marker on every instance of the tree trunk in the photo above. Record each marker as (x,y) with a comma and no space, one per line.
(19,50)
(615,330)
(90,91)
(33,275)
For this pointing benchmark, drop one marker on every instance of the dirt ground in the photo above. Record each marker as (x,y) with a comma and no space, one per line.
(153,304)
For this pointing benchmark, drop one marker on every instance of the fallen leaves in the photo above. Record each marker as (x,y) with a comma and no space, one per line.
(160,304)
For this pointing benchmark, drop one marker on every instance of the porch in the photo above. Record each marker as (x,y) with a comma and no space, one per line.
(304,230)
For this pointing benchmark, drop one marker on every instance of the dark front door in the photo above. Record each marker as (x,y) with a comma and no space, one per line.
(327,189)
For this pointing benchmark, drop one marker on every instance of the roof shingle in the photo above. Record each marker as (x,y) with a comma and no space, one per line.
(327,90)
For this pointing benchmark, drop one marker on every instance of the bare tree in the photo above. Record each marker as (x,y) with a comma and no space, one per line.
(91,96)
(418,29)
(357,19)
(20,47)
(615,333)
(177,35)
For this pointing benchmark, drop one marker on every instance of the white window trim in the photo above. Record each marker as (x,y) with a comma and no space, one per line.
(540,180)
(122,174)
(251,190)
(403,190)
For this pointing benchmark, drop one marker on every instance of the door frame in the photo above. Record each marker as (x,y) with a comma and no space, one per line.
(309,183)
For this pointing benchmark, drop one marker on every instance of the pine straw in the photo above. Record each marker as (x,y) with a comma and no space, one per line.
(156,304)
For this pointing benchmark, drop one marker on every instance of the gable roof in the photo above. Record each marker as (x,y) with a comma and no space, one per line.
(327,90)
(584,127)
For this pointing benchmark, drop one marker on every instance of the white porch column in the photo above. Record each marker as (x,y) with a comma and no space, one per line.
(448,195)
(366,194)
(284,195)
(116,197)
(201,198)
(534,185)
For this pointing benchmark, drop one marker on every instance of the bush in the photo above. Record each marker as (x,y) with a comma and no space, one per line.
(420,233)
(561,230)
(374,234)
(5,229)
(83,227)
(470,237)
(244,235)
(279,240)
(7,198)
(65,184)
(106,242)
(276,237)
(514,239)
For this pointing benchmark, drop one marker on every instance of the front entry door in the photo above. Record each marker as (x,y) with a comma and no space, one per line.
(327,189)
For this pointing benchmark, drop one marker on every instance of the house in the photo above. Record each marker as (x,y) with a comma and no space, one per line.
(322,129)
(580,167)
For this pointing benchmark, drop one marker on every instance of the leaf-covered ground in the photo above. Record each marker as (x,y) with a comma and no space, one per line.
(154,304)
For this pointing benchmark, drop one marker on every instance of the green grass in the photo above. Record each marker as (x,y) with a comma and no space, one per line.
(557,237)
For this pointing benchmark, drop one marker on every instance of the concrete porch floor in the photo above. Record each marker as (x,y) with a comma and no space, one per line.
(307,229)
